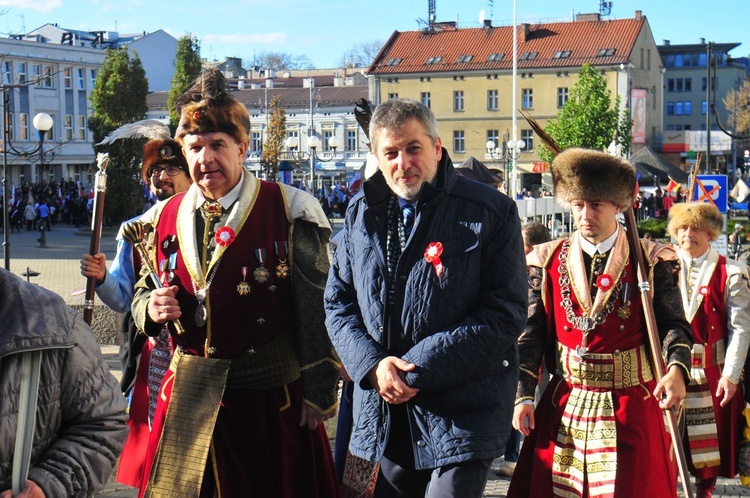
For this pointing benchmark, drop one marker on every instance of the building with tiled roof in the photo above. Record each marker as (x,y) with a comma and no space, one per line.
(465,76)
(333,101)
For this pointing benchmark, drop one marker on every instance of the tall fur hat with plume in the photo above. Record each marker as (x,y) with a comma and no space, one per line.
(160,149)
(587,174)
(700,215)
(207,107)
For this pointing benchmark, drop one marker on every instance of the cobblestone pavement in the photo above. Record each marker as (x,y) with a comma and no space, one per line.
(59,271)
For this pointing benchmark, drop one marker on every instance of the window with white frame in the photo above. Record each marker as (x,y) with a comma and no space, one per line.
(68,127)
(7,72)
(51,133)
(36,74)
(494,135)
(92,78)
(81,78)
(459,141)
(47,74)
(458,100)
(562,97)
(426,99)
(23,128)
(493,101)
(351,139)
(21,67)
(82,128)
(68,78)
(256,144)
(528,137)
(327,135)
(527,98)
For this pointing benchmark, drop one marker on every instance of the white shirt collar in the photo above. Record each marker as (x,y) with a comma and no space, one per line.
(225,201)
(687,259)
(602,247)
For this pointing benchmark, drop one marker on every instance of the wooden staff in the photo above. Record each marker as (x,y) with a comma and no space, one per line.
(100,188)
(133,232)
(636,249)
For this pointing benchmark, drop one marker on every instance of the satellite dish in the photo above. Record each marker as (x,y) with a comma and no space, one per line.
(481,16)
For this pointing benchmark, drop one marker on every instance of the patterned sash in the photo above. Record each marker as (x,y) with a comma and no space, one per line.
(699,410)
(586,443)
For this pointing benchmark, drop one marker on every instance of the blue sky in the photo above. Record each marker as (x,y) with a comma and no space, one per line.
(325,29)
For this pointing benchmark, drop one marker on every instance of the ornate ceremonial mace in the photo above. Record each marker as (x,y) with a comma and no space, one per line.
(100,189)
(647,299)
(133,232)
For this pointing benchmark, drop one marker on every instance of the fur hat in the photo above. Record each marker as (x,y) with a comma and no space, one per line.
(700,215)
(587,174)
(166,152)
(207,107)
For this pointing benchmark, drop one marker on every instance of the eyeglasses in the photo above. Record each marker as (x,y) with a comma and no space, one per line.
(155,171)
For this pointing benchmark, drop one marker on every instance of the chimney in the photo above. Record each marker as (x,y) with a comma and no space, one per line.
(525,27)
(638,15)
(269,83)
(488,23)
(241,83)
(703,41)
(667,43)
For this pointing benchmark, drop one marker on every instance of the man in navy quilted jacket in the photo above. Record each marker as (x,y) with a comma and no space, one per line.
(425,300)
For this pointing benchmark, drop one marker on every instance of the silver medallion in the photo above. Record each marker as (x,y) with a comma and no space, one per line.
(201,314)
(581,352)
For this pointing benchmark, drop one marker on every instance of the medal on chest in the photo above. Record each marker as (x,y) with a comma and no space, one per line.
(261,273)
(243,288)
(201,313)
(282,269)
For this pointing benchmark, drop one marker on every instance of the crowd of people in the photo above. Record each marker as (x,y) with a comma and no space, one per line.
(463,335)
(33,205)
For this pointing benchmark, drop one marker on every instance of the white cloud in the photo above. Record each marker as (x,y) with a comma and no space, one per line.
(243,38)
(38,5)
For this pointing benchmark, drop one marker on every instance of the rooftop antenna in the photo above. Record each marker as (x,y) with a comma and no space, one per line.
(491,3)
(429,24)
(605,8)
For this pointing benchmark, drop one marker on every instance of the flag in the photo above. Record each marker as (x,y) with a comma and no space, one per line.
(740,191)
(672,185)
(637,186)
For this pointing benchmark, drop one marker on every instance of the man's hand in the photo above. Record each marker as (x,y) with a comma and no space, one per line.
(671,390)
(94,266)
(523,418)
(388,378)
(312,417)
(163,306)
(30,490)
(725,390)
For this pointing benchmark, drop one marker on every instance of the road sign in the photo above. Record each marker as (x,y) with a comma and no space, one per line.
(713,189)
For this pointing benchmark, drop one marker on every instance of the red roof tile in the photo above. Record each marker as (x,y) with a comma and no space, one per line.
(584,40)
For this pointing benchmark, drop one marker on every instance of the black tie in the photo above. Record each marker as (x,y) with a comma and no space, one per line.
(408,212)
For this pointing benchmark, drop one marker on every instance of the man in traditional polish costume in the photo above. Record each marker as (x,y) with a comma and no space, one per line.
(716,300)
(599,429)
(243,264)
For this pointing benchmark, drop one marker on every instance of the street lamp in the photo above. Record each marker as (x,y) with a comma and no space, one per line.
(507,154)
(43,123)
(313,142)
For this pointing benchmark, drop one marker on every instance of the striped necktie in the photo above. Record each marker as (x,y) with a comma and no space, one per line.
(408,213)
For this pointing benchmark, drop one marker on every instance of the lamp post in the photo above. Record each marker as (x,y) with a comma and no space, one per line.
(43,123)
(507,153)
(313,142)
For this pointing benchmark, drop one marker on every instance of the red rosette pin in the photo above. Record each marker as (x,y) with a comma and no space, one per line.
(224,236)
(704,291)
(432,255)
(604,282)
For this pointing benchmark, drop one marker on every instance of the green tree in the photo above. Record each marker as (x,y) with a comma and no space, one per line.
(275,136)
(119,97)
(589,118)
(187,67)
